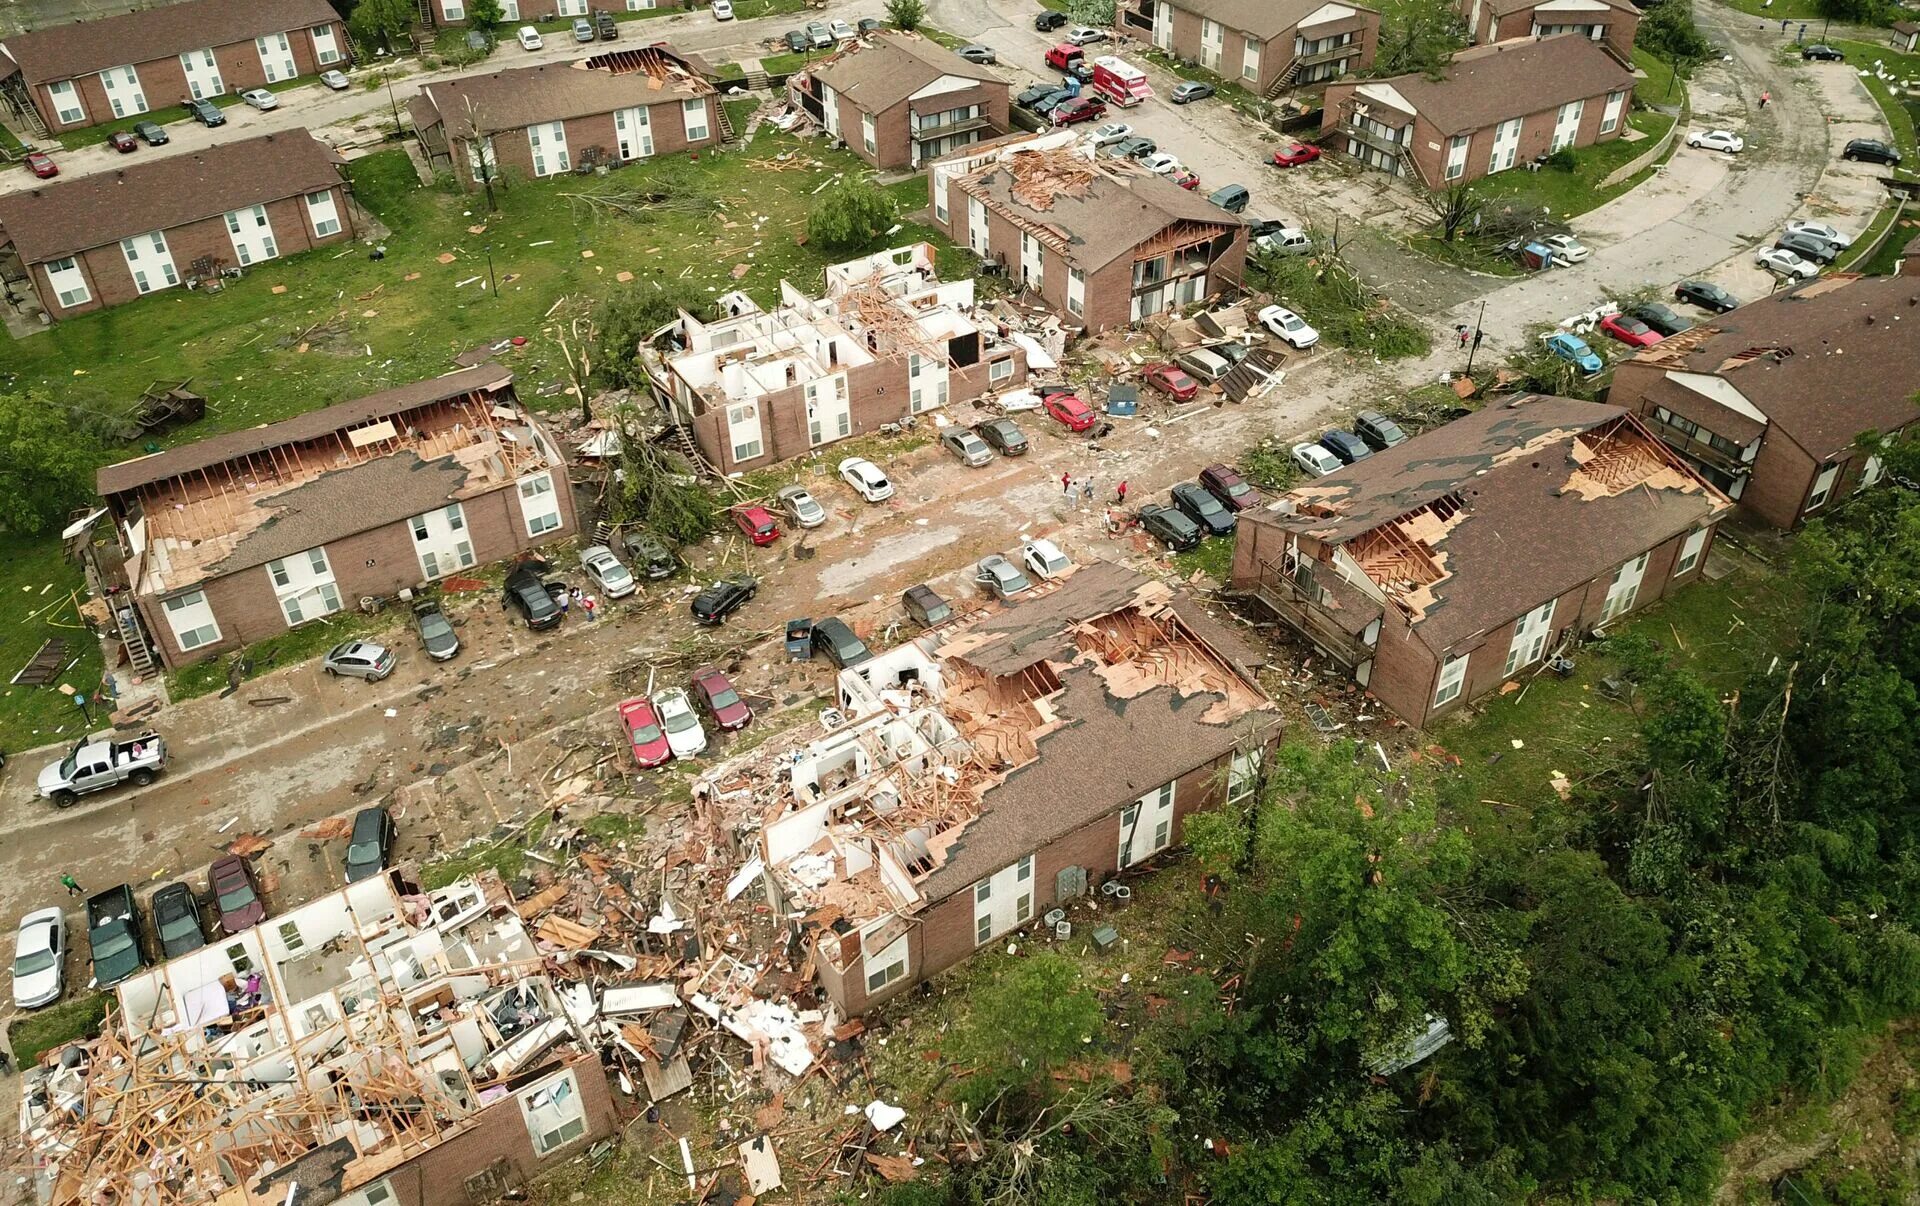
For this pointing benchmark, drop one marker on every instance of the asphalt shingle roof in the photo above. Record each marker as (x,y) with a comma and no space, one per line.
(1262,18)
(60,52)
(1486,85)
(523,96)
(1120,208)
(891,66)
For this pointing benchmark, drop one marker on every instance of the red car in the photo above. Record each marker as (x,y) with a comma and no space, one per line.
(644,735)
(1226,484)
(716,694)
(42,165)
(1185,179)
(1069,411)
(1066,56)
(1630,331)
(1169,379)
(1295,155)
(757,523)
(235,895)
(122,141)
(1077,110)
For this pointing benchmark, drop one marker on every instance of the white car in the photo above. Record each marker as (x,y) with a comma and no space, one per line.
(1112,132)
(800,506)
(1160,164)
(1315,460)
(841,31)
(39,958)
(606,572)
(685,737)
(1287,240)
(529,38)
(1044,558)
(723,10)
(1820,230)
(1289,327)
(1086,35)
(1781,262)
(866,479)
(1717,140)
(1566,249)
(336,80)
(260,99)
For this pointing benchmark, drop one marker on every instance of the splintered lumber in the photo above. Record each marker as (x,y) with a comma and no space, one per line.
(569,934)
(540,902)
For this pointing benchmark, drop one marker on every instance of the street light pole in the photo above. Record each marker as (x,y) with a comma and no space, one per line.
(397,131)
(492,285)
(1477,328)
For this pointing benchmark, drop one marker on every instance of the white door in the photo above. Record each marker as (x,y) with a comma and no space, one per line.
(634,132)
(122,86)
(1530,638)
(203,74)
(1146,826)
(276,57)
(1625,588)
(1030,262)
(1003,901)
(1506,144)
(150,261)
(977,226)
(252,234)
(548,142)
(1163,26)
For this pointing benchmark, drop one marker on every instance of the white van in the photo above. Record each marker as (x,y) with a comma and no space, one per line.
(529,38)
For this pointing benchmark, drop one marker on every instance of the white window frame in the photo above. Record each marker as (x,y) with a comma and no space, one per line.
(243,231)
(547,142)
(886,966)
(331,53)
(1146,826)
(739,416)
(1530,635)
(59,94)
(276,56)
(441,541)
(1243,776)
(128,88)
(1690,552)
(1871,471)
(1566,121)
(633,135)
(867,139)
(693,115)
(568,1122)
(639,6)
(159,257)
(1457,156)
(1822,489)
(1076,291)
(1453,677)
(210,65)
(380,1193)
(543,517)
(1624,591)
(453,10)
(1000,370)
(1250,59)
(1506,145)
(75,291)
(204,627)
(322,202)
(1012,884)
(1610,116)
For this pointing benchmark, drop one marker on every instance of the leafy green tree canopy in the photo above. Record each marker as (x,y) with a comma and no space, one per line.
(46,463)
(851,215)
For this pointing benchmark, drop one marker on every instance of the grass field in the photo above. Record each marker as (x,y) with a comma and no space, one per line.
(38,593)
(1901,114)
(32,1033)
(1569,194)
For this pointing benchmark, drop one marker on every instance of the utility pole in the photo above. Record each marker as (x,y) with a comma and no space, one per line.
(398,132)
(1477,328)
(493,286)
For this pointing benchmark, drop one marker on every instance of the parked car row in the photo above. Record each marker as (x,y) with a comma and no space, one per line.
(666,725)
(1335,450)
(1210,505)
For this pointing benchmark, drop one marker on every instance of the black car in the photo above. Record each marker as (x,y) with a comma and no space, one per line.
(1026,98)
(151,132)
(608,27)
(113,936)
(1808,247)
(1047,21)
(1169,527)
(1045,106)
(1203,508)
(1868,150)
(369,844)
(1822,52)
(977,53)
(1260,227)
(532,598)
(1002,436)
(713,605)
(650,555)
(796,41)
(205,112)
(1660,318)
(926,607)
(1706,296)
(867,25)
(1190,90)
(1130,148)
(1380,432)
(437,636)
(1346,445)
(832,637)
(176,920)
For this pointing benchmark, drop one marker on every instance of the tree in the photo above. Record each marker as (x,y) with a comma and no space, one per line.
(382,23)
(1035,1018)
(1668,31)
(851,215)
(626,318)
(1097,13)
(486,16)
(1418,35)
(1533,369)
(906,14)
(47,459)
(654,486)
(1456,208)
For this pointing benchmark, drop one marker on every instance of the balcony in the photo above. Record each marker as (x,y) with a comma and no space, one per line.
(1373,138)
(1695,448)
(927,131)
(1299,608)
(1346,51)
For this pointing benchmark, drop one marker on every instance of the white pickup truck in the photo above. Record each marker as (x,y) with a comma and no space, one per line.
(99,762)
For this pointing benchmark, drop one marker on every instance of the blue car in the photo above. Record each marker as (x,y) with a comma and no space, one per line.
(1574,349)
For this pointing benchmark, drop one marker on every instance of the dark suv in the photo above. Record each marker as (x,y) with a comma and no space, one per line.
(370,844)
(113,936)
(205,112)
(529,596)
(1379,432)
(1822,52)
(713,605)
(1867,150)
(609,28)
(832,637)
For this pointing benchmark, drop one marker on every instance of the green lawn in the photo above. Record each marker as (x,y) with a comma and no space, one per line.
(44,1029)
(1777,10)
(1659,87)
(39,590)
(1568,194)
(1901,114)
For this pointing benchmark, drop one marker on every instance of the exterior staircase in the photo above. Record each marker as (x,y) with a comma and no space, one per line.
(679,437)
(727,132)
(1281,82)
(132,635)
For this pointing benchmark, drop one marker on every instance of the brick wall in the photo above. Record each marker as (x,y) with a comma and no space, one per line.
(379,561)
(1404,670)
(111,281)
(1621,26)
(1428,145)
(514,154)
(1276,53)
(164,81)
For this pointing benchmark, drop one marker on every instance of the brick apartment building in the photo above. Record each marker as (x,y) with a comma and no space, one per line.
(1439,569)
(445,13)
(63,77)
(1496,107)
(900,100)
(887,341)
(87,242)
(244,535)
(1102,243)
(1768,401)
(1612,23)
(613,108)
(1266,46)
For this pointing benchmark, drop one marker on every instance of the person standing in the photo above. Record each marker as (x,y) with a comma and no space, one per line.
(67,881)
(1120,491)
(1086,490)
(586,605)
(1764,98)
(1066,484)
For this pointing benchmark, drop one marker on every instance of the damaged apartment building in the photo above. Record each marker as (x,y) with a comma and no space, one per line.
(247,534)
(981,775)
(1441,568)
(1100,242)
(374,1047)
(889,340)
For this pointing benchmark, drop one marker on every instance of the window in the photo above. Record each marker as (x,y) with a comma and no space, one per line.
(380,1193)
(304,586)
(1566,126)
(884,966)
(866,133)
(636,6)
(1146,826)
(1822,488)
(251,234)
(191,620)
(548,142)
(879,977)
(1243,776)
(1690,552)
(326,49)
(124,94)
(1530,635)
(743,430)
(68,283)
(1076,291)
(554,1114)
(324,213)
(1453,676)
(1003,901)
(150,261)
(999,370)
(203,73)
(276,57)
(453,10)
(694,114)
(538,504)
(290,937)
(1250,61)
(1624,590)
(1610,116)
(66,103)
(633,130)
(1870,472)
(1456,156)
(238,959)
